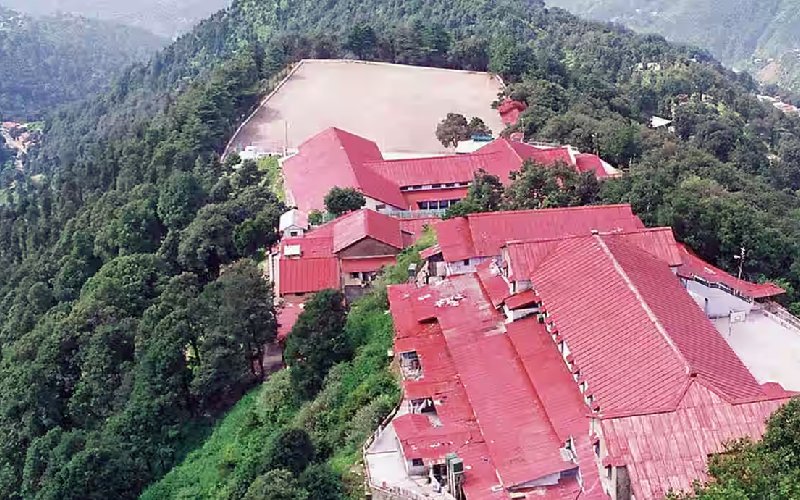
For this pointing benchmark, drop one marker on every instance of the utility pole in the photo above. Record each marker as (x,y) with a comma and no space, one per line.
(740,258)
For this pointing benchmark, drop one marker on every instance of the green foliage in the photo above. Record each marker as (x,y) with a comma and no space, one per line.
(534,186)
(56,60)
(765,30)
(455,128)
(339,201)
(485,194)
(317,341)
(179,199)
(357,393)
(292,450)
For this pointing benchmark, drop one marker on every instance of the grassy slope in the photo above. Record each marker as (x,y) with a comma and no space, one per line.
(356,397)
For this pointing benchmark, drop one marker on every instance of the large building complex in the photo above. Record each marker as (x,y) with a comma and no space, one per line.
(335,157)
(572,353)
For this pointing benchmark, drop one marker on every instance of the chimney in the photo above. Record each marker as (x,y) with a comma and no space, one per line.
(516,137)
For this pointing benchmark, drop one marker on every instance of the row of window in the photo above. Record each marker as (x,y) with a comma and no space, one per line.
(418,187)
(436,204)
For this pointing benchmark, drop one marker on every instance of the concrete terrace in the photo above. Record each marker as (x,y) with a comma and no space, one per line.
(769,349)
(397,106)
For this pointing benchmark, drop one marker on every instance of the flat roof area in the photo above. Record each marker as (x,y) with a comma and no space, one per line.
(769,349)
(395,105)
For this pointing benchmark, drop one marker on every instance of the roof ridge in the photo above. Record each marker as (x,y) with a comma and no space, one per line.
(653,318)
(549,210)
(429,158)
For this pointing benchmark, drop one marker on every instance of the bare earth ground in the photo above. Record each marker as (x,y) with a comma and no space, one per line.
(396,106)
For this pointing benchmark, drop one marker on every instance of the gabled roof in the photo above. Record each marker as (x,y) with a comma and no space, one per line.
(483,235)
(512,154)
(634,333)
(336,158)
(523,257)
(355,226)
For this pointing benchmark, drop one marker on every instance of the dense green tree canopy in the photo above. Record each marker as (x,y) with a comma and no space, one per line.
(339,201)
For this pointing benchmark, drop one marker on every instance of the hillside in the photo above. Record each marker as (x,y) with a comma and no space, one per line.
(744,34)
(55,60)
(165,18)
(132,316)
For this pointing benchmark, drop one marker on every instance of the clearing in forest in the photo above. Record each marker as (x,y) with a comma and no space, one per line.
(394,105)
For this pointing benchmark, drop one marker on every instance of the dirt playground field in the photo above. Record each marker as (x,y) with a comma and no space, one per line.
(396,106)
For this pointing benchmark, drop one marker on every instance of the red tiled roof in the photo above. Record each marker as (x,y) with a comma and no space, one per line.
(524,256)
(510,110)
(434,170)
(586,162)
(287,317)
(336,158)
(313,245)
(430,252)
(493,282)
(356,226)
(522,300)
(366,264)
(417,226)
(307,275)
(519,437)
(607,293)
(483,235)
(693,266)
(668,451)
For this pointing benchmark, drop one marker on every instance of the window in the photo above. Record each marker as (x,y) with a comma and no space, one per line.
(380,207)
(417,462)
(423,205)
(435,186)
(355,276)
(466,262)
(294,233)
(450,184)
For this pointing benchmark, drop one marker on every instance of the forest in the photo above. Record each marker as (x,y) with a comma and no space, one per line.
(757,35)
(122,342)
(50,61)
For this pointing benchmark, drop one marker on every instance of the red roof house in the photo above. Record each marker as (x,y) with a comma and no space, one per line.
(361,242)
(336,158)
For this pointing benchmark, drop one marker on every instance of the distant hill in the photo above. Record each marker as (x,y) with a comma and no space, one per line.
(45,62)
(759,35)
(167,18)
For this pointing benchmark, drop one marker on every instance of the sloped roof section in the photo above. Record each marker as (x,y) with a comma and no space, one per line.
(525,256)
(336,158)
(636,336)
(308,275)
(668,451)
(364,223)
(483,235)
(708,355)
(434,170)
(694,267)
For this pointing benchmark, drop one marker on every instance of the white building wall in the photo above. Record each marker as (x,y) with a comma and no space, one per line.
(467,265)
